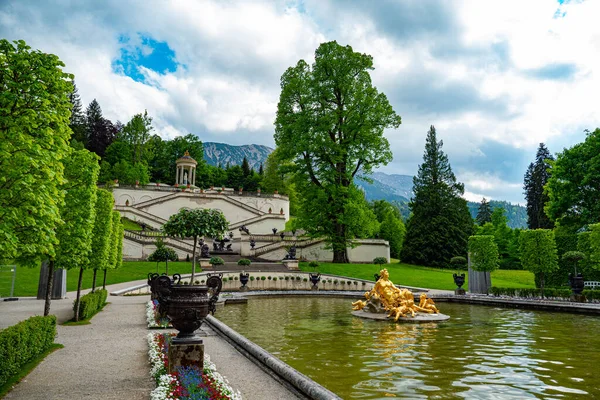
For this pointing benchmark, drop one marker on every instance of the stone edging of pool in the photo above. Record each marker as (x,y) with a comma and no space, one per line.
(281,371)
(530,304)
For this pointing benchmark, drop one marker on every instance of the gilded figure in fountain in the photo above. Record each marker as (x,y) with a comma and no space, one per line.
(385,297)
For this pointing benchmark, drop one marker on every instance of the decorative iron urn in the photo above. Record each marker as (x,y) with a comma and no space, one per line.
(188,305)
(459,280)
(244,277)
(314,278)
(577,283)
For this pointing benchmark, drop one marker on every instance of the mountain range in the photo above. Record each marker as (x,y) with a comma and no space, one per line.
(223,154)
(396,189)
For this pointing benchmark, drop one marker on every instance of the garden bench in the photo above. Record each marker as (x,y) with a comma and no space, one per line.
(592,284)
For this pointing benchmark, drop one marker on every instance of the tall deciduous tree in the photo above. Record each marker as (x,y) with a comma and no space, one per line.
(574,185)
(538,252)
(100,132)
(34,136)
(330,123)
(136,133)
(484,214)
(196,223)
(536,177)
(78,213)
(116,235)
(101,239)
(441,223)
(483,254)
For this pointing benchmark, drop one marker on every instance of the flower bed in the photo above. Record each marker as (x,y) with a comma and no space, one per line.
(153,318)
(187,383)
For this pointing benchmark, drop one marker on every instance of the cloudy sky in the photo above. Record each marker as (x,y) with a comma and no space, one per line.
(496,78)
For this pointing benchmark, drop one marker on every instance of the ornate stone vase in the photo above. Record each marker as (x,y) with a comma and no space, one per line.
(459,280)
(244,277)
(314,278)
(189,305)
(577,283)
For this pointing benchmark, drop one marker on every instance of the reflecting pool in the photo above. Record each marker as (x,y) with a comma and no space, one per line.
(480,353)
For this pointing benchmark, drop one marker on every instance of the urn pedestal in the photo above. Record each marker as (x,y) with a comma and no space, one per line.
(291,265)
(205,263)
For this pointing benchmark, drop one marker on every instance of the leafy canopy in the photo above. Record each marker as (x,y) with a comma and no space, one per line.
(329,125)
(34,136)
(484,253)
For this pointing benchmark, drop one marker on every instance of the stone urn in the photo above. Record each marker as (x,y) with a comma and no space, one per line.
(315,278)
(189,305)
(244,277)
(576,283)
(459,280)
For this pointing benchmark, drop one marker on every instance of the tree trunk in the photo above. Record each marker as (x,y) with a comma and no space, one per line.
(104,280)
(340,250)
(94,280)
(194,259)
(49,288)
(78,294)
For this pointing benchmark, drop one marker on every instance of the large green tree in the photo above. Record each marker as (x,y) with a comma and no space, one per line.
(34,136)
(441,223)
(77,214)
(136,133)
(536,177)
(101,239)
(330,122)
(196,224)
(574,185)
(114,249)
(100,132)
(538,252)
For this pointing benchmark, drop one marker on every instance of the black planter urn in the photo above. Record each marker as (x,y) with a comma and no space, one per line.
(459,280)
(576,284)
(315,278)
(188,306)
(244,277)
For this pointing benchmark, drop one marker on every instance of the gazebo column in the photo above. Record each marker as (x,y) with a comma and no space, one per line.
(194,176)
(177,176)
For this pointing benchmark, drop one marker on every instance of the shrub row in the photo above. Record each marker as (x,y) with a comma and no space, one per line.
(549,292)
(91,303)
(23,342)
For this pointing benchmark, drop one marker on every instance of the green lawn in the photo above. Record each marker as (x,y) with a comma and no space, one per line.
(26,283)
(130,225)
(425,277)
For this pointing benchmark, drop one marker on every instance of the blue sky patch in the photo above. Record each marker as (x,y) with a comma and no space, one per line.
(143,51)
(557,72)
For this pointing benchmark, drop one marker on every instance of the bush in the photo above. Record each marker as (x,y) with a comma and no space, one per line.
(313,264)
(216,261)
(287,278)
(244,261)
(262,278)
(380,261)
(305,279)
(275,278)
(459,262)
(23,342)
(225,279)
(91,303)
(251,278)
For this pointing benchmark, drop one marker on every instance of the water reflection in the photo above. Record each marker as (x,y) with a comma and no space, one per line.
(481,353)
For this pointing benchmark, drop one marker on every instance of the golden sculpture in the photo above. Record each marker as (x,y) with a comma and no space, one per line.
(386,297)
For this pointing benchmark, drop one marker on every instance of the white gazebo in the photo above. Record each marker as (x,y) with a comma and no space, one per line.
(186,170)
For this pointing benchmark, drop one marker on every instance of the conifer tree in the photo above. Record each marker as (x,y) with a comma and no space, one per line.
(77,119)
(245,167)
(100,132)
(441,223)
(535,179)
(484,214)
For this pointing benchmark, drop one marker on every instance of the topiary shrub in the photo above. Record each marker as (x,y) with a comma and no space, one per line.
(313,264)
(91,303)
(287,278)
(23,342)
(275,278)
(244,261)
(459,263)
(380,261)
(251,278)
(216,261)
(262,278)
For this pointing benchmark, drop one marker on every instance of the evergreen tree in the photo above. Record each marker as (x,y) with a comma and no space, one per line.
(77,119)
(100,132)
(245,167)
(535,179)
(261,170)
(441,223)
(484,214)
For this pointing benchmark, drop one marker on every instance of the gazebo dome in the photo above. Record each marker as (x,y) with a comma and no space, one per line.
(186,159)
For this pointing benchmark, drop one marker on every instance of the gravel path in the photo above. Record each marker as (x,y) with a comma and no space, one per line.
(104,360)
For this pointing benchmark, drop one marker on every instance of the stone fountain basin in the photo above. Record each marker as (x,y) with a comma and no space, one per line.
(419,317)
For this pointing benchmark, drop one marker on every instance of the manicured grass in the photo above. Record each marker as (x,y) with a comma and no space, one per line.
(27,368)
(26,283)
(130,225)
(424,277)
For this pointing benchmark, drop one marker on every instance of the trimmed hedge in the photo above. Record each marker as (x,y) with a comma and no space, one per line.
(537,293)
(23,342)
(91,303)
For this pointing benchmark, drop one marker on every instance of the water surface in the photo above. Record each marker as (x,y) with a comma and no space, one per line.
(480,353)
